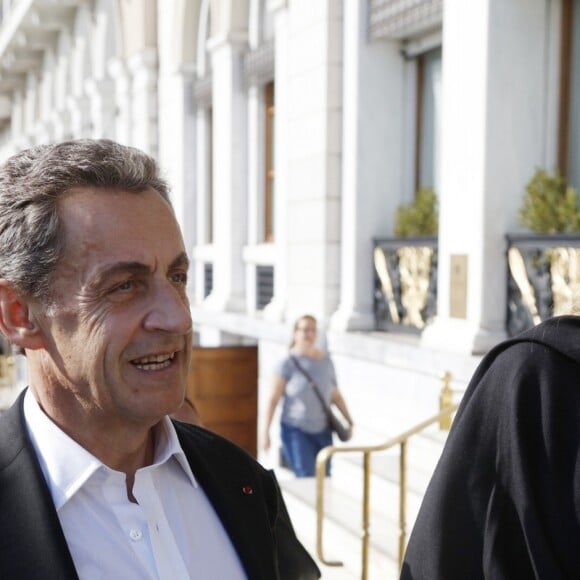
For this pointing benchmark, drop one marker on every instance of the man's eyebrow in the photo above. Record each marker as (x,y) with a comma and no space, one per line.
(182,261)
(135,268)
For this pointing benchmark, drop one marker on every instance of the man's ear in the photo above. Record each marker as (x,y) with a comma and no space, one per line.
(16,321)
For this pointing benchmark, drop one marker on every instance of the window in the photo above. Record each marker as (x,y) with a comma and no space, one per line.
(264,286)
(207,279)
(269,163)
(428,119)
(569,121)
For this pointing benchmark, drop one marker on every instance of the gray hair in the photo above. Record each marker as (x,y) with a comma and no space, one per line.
(31,184)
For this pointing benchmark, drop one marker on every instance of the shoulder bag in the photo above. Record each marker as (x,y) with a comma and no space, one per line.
(337,421)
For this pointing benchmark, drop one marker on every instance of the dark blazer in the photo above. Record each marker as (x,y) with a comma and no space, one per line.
(245,496)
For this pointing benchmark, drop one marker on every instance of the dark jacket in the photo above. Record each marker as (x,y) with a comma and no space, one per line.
(504,500)
(245,496)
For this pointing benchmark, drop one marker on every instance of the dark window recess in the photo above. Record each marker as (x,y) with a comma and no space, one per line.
(207,279)
(264,286)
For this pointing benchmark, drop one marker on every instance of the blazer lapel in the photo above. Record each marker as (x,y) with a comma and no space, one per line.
(32,544)
(239,498)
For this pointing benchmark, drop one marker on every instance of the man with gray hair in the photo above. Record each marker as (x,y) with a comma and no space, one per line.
(96,481)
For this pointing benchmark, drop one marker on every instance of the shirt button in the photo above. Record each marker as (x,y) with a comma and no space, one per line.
(135,534)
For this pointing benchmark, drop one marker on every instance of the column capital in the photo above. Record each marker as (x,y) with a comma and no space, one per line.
(117,68)
(97,86)
(275,310)
(187,71)
(77,102)
(346,318)
(236,40)
(276,5)
(145,59)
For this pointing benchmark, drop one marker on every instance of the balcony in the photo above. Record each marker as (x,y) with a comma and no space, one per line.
(543,278)
(405,283)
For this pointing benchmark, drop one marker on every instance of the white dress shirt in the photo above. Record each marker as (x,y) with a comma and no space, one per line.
(172,533)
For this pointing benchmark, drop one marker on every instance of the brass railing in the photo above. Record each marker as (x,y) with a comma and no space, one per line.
(443,418)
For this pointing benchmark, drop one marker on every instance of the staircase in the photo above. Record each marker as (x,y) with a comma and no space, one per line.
(343,506)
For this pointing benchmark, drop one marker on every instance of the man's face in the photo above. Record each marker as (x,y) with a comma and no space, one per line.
(118,335)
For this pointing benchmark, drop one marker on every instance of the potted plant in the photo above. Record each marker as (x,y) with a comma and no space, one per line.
(550,205)
(544,266)
(419,218)
(406,266)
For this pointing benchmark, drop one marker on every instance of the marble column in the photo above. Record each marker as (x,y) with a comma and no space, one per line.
(371,162)
(494,119)
(229,173)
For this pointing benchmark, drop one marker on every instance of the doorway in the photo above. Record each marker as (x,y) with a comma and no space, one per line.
(223,385)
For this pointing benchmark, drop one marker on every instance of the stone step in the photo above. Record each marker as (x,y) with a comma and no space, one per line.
(343,505)
(342,533)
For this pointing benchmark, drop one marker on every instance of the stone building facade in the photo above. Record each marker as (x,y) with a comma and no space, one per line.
(291,130)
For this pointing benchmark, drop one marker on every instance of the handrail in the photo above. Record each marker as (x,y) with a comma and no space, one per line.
(324,456)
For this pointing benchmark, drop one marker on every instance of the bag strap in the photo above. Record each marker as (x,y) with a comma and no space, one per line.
(313,384)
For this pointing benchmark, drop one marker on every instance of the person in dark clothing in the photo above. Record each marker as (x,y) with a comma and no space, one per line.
(504,500)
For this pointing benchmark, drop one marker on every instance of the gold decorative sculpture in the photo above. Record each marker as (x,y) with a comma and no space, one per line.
(565,273)
(518,270)
(385,278)
(415,272)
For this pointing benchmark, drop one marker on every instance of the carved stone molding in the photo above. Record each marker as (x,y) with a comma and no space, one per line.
(400,19)
(202,91)
(259,64)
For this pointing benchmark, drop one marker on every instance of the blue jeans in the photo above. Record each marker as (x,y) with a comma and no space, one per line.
(300,449)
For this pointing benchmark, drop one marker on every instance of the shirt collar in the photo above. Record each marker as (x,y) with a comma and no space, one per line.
(67,466)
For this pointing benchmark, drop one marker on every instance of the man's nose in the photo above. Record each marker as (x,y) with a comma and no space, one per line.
(169,310)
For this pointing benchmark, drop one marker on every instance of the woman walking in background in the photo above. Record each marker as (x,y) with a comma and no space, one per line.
(304,424)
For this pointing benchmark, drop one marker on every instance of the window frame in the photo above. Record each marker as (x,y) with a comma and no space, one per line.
(269,173)
(564,110)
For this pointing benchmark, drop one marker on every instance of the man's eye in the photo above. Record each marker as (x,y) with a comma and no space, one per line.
(124,286)
(179,278)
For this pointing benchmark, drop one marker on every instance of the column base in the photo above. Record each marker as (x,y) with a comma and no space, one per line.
(219,303)
(274,311)
(347,319)
(461,336)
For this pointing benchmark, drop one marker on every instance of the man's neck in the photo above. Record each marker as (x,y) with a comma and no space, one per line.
(147,460)
(125,447)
